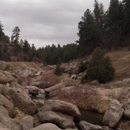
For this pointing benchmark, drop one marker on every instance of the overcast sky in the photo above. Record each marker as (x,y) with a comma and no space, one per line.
(44,22)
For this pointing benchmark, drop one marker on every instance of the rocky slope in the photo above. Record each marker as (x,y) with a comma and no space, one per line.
(23,105)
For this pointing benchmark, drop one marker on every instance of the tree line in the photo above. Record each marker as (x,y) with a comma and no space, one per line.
(48,55)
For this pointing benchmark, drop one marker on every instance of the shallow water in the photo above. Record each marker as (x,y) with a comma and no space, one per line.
(91,117)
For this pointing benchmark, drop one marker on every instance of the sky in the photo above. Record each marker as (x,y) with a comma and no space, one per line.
(45,22)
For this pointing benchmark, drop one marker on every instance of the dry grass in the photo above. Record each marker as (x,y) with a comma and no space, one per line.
(22,79)
(17,65)
(50,78)
(80,96)
(121,62)
(19,114)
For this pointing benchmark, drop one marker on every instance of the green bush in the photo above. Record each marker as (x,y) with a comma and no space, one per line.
(58,70)
(82,66)
(99,68)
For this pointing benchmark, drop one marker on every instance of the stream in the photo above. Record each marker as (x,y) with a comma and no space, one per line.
(91,117)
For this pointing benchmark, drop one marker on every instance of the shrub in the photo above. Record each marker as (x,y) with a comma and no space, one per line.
(99,68)
(58,70)
(82,66)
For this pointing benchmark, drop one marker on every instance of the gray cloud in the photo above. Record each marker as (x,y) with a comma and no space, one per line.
(45,22)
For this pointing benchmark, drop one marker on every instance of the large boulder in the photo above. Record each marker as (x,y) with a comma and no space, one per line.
(4,79)
(62,120)
(124,96)
(20,98)
(63,107)
(27,122)
(7,122)
(4,65)
(8,105)
(113,114)
(83,125)
(46,126)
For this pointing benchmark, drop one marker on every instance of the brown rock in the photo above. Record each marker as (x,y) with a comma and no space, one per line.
(4,79)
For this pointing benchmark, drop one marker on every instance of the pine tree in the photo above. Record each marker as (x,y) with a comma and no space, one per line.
(114,23)
(126,6)
(100,67)
(86,31)
(26,46)
(99,22)
(15,35)
(1,32)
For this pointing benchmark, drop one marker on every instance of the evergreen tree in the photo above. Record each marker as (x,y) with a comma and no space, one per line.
(100,67)
(86,32)
(99,22)
(126,6)
(114,23)
(15,35)
(1,32)
(26,46)
(58,70)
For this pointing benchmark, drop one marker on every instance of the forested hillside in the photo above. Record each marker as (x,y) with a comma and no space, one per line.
(106,29)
